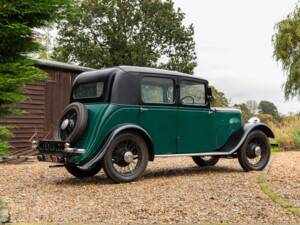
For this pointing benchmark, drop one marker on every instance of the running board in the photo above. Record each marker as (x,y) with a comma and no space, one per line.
(197,154)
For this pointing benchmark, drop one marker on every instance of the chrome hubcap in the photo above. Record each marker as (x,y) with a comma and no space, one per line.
(128,157)
(257,151)
(65,124)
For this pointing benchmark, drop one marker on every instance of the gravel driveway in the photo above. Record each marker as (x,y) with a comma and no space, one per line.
(173,190)
(285,180)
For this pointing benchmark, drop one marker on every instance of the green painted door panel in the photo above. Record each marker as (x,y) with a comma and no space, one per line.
(228,121)
(161,123)
(196,130)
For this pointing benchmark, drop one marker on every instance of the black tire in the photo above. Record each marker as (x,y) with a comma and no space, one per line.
(115,157)
(247,152)
(202,162)
(79,123)
(82,173)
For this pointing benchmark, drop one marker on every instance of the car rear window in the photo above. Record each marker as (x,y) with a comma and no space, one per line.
(88,90)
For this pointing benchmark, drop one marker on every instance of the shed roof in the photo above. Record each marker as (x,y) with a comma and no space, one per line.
(61,65)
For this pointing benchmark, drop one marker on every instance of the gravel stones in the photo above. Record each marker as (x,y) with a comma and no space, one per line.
(173,190)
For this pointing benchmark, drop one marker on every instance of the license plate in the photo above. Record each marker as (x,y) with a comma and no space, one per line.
(51,147)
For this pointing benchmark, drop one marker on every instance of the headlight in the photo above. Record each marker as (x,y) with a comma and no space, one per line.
(254,120)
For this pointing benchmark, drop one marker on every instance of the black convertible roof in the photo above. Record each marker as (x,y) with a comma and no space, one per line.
(92,75)
(140,69)
(122,83)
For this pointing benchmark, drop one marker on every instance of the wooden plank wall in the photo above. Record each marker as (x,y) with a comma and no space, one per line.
(44,105)
(31,120)
(58,88)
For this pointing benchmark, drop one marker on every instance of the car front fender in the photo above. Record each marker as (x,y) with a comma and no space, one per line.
(237,139)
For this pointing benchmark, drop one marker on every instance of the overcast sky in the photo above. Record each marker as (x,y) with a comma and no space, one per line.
(234,48)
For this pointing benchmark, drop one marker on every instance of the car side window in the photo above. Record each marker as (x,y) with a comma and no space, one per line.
(157,90)
(192,93)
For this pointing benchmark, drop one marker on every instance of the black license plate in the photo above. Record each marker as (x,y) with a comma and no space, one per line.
(51,147)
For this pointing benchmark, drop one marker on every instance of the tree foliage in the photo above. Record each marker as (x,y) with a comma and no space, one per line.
(219,98)
(286,43)
(266,107)
(126,32)
(18,19)
(246,112)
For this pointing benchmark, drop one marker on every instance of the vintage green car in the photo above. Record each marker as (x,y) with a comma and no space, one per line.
(122,117)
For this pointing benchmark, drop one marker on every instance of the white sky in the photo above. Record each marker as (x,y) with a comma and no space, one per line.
(234,48)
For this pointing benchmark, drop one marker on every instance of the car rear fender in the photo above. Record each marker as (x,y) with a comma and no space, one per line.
(115,131)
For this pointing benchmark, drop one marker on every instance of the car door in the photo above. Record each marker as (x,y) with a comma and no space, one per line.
(196,122)
(158,111)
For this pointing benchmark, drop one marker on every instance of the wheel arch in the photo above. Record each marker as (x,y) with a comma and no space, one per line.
(264,128)
(237,139)
(142,132)
(113,133)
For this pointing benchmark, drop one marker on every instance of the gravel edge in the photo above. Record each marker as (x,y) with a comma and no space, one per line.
(264,185)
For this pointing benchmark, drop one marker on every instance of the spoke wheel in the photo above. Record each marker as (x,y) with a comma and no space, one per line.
(127,158)
(81,172)
(205,160)
(255,152)
(72,123)
(68,123)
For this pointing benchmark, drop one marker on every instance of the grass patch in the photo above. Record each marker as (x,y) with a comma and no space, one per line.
(287,132)
(2,204)
(274,149)
(275,198)
(4,214)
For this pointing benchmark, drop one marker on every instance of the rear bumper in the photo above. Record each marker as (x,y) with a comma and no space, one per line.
(55,151)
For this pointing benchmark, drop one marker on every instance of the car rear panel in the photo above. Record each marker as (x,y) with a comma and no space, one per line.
(102,119)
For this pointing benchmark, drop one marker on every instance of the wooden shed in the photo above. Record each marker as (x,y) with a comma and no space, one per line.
(44,104)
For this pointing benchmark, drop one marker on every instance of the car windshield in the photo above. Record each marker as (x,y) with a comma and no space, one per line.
(88,90)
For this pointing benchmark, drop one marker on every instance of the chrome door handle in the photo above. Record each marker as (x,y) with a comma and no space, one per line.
(210,111)
(142,109)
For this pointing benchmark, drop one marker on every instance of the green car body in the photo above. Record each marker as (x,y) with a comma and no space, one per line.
(168,111)
(176,130)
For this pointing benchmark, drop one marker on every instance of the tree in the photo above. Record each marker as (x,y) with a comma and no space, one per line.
(219,98)
(126,32)
(246,113)
(266,107)
(18,19)
(252,106)
(286,41)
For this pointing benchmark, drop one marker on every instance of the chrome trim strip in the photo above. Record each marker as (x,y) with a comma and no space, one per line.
(194,154)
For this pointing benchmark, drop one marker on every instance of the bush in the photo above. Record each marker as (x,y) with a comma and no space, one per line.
(265,118)
(4,134)
(19,20)
(297,136)
(287,132)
